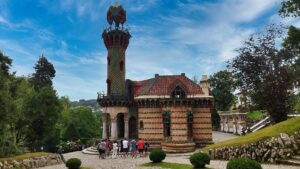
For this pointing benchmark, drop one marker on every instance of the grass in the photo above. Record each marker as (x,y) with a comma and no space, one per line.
(25,156)
(289,126)
(168,165)
(255,115)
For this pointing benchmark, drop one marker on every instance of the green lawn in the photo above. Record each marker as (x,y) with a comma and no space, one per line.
(25,156)
(169,165)
(255,115)
(289,126)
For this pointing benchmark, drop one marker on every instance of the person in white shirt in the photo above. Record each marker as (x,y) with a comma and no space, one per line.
(125,147)
(115,149)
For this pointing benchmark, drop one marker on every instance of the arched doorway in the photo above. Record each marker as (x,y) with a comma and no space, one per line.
(132,127)
(121,125)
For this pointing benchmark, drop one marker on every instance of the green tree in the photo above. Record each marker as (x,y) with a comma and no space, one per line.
(44,73)
(87,123)
(223,86)
(266,73)
(5,63)
(44,109)
(290,8)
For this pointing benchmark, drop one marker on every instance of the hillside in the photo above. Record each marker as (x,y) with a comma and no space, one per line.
(289,126)
(86,103)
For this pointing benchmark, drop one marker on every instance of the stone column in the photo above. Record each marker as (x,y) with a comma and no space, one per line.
(114,129)
(126,124)
(104,124)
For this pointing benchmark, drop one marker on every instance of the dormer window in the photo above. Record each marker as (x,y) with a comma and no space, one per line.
(178,93)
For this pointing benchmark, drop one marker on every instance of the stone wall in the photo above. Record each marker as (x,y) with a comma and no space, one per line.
(270,150)
(34,162)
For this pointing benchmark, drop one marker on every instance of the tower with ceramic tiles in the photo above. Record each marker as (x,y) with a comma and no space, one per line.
(116,40)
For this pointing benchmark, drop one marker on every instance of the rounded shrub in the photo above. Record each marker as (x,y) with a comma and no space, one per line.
(199,160)
(243,163)
(157,156)
(73,163)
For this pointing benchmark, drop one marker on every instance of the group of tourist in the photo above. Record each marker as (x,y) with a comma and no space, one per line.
(122,148)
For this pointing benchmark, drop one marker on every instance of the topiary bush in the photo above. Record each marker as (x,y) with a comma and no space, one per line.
(157,156)
(199,160)
(243,163)
(73,163)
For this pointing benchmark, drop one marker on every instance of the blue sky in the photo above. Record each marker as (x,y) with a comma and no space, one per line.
(168,37)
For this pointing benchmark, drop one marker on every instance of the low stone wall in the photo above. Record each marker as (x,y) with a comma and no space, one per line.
(270,150)
(34,162)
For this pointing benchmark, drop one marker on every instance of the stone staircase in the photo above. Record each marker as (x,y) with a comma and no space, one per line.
(90,151)
(295,160)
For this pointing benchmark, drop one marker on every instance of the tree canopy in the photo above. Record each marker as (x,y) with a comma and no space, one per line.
(265,72)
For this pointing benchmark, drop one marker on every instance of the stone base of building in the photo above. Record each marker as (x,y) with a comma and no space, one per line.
(169,147)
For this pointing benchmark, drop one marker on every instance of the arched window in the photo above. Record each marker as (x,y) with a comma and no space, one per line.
(108,82)
(141,125)
(178,93)
(108,60)
(190,124)
(121,66)
(167,124)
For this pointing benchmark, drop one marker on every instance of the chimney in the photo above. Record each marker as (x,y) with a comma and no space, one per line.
(156,75)
(204,84)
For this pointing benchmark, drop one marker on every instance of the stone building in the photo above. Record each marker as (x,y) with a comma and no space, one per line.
(167,111)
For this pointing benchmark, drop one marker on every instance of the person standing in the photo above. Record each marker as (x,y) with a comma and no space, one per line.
(146,148)
(125,147)
(107,147)
(115,149)
(101,149)
(133,148)
(140,146)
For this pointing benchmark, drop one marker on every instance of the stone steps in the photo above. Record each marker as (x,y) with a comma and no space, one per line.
(290,162)
(90,151)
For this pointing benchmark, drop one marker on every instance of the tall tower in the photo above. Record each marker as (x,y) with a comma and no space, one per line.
(116,40)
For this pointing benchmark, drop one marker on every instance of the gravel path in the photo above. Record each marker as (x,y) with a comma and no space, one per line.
(94,162)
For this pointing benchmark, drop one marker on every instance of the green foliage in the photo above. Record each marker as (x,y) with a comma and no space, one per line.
(265,72)
(199,160)
(289,126)
(243,163)
(290,8)
(73,163)
(5,63)
(69,146)
(44,109)
(223,85)
(157,156)
(71,132)
(255,115)
(44,73)
(87,124)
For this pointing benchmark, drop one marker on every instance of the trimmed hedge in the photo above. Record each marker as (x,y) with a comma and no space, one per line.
(157,156)
(73,163)
(199,160)
(243,163)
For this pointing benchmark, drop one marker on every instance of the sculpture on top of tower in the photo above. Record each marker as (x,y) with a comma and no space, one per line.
(117,14)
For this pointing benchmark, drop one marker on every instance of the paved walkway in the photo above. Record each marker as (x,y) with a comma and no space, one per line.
(220,136)
(94,162)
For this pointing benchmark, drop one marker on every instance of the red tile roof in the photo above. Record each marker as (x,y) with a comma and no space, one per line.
(164,85)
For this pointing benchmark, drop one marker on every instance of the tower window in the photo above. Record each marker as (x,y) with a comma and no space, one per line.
(190,124)
(178,93)
(167,124)
(141,125)
(108,60)
(121,66)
